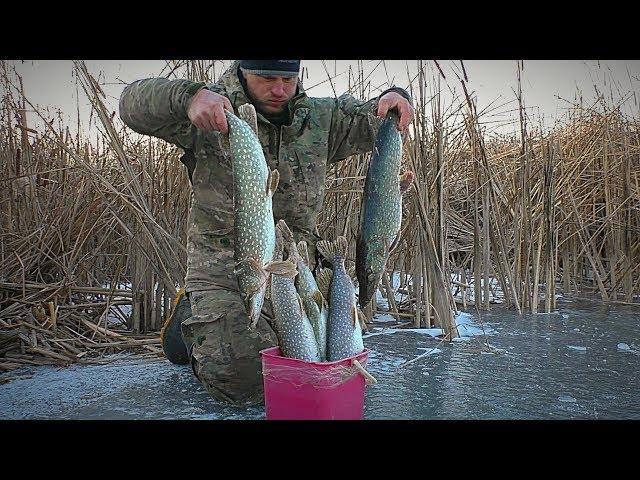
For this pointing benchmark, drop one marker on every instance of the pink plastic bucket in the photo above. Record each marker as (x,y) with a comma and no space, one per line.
(299,390)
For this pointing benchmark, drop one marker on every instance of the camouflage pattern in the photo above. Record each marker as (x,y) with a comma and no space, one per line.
(320,131)
(224,352)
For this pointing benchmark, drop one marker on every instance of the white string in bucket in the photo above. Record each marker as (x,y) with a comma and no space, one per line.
(324,378)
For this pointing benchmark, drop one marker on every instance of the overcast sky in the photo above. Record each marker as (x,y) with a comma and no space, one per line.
(547,85)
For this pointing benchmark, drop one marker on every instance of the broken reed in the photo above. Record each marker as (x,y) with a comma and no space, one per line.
(526,212)
(527,215)
(101,212)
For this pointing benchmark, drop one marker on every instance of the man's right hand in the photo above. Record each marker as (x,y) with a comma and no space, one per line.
(206,111)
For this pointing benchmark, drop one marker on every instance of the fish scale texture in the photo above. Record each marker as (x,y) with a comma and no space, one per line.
(296,336)
(344,337)
(255,231)
(381,215)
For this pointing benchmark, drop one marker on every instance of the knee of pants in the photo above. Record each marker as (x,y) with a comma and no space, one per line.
(225,353)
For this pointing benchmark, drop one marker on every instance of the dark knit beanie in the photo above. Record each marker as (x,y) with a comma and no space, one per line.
(276,68)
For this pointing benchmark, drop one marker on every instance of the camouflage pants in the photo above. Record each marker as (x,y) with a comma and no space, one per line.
(224,351)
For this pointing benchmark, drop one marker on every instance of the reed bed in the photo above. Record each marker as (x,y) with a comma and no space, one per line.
(93,231)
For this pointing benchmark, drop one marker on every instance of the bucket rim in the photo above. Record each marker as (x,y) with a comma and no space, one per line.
(272,352)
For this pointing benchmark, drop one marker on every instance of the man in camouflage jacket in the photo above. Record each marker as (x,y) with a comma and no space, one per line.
(300,136)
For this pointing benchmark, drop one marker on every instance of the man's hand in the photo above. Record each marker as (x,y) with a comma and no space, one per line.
(393,100)
(206,111)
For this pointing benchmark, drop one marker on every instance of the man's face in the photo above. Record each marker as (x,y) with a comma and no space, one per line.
(271,94)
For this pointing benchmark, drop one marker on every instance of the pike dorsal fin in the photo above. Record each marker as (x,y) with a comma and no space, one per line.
(323,280)
(301,305)
(278,253)
(247,112)
(283,268)
(272,182)
(287,234)
(287,237)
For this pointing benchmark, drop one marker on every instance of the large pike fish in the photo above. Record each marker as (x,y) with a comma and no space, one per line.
(295,333)
(344,331)
(314,303)
(381,215)
(253,187)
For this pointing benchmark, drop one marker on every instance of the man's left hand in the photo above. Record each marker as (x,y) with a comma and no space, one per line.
(393,100)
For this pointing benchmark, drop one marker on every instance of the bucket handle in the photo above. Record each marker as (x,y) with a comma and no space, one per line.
(369,379)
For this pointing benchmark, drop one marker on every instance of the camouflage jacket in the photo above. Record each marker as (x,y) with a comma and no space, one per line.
(320,131)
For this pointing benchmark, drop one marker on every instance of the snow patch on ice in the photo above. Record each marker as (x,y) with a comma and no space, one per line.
(430,351)
(468,327)
(567,399)
(578,348)
(623,347)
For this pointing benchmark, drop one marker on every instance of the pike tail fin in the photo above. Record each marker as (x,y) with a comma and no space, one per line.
(333,251)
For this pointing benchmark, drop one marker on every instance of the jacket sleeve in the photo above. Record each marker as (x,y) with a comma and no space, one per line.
(158,107)
(354,125)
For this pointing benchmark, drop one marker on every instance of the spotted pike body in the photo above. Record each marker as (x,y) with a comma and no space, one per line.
(295,333)
(253,188)
(315,305)
(381,215)
(344,333)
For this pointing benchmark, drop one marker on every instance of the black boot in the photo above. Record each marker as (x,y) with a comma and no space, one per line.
(173,343)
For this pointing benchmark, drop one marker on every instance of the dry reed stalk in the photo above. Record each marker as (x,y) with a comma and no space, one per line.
(80,216)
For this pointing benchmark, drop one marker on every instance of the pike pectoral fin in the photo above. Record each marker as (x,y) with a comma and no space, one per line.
(272,182)
(301,305)
(319,299)
(304,252)
(254,296)
(247,112)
